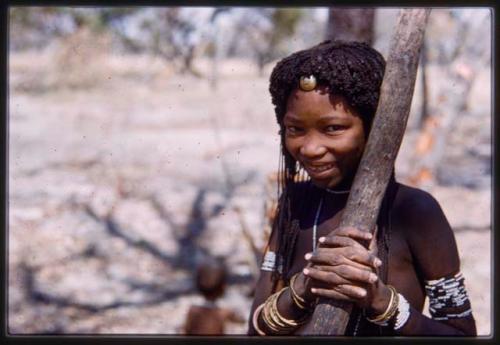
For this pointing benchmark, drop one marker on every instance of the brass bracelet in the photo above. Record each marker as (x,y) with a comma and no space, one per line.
(270,319)
(255,318)
(281,318)
(266,317)
(395,304)
(390,310)
(299,301)
(275,315)
(273,319)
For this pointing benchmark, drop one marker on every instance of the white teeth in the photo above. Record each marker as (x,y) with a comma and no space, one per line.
(320,168)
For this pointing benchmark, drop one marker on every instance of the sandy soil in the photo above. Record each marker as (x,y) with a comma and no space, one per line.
(107,182)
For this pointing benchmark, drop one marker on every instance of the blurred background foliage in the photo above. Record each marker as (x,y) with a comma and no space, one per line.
(179,35)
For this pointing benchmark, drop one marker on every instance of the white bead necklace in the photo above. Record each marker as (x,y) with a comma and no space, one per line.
(318,211)
(315,226)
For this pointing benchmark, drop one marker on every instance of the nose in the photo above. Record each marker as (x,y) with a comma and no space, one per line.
(312,147)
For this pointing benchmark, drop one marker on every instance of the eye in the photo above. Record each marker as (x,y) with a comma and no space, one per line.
(335,128)
(293,130)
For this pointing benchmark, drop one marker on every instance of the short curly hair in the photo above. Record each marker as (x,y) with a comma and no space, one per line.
(353,70)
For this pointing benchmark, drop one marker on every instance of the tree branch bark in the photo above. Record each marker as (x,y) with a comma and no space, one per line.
(330,317)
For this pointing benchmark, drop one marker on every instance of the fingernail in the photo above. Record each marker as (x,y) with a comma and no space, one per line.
(308,256)
(373,278)
(306,271)
(313,290)
(378,262)
(362,293)
(321,239)
(369,236)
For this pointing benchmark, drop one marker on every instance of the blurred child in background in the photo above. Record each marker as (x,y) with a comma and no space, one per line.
(208,318)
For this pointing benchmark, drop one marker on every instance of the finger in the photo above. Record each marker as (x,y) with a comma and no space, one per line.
(363,257)
(344,255)
(358,257)
(354,233)
(361,274)
(325,277)
(338,241)
(327,256)
(331,268)
(356,274)
(351,291)
(331,294)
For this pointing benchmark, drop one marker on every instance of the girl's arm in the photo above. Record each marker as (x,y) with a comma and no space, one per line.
(434,249)
(286,307)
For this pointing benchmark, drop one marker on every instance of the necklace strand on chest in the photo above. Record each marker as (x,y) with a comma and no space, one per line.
(318,212)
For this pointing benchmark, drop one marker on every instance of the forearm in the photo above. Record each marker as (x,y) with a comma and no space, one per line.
(419,324)
(407,320)
(395,312)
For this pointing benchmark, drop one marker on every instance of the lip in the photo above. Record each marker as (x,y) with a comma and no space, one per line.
(319,171)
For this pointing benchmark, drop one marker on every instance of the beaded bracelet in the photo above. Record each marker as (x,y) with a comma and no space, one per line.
(403,313)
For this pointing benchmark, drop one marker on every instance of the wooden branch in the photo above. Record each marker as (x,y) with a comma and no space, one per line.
(330,317)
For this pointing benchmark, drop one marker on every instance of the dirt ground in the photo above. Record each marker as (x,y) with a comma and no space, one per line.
(117,188)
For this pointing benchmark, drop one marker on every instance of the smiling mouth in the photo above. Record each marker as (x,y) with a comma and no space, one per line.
(319,169)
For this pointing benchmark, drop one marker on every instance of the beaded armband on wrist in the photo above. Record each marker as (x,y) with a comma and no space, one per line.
(448,298)
(403,313)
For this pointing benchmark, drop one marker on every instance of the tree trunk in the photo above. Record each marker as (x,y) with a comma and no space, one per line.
(330,317)
(351,24)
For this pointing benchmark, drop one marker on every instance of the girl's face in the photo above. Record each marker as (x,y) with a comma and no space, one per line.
(325,135)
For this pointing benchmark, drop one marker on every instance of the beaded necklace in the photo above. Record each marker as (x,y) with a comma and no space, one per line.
(318,212)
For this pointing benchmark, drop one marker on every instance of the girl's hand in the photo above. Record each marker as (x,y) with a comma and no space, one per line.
(344,269)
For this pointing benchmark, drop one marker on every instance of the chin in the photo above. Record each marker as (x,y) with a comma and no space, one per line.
(330,184)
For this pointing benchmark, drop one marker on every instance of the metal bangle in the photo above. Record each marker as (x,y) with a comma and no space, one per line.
(255,319)
(390,310)
(299,301)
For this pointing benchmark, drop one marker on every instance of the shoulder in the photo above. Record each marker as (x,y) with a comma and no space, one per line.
(422,222)
(416,208)
(412,202)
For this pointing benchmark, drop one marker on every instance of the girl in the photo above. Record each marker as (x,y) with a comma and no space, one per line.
(325,98)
